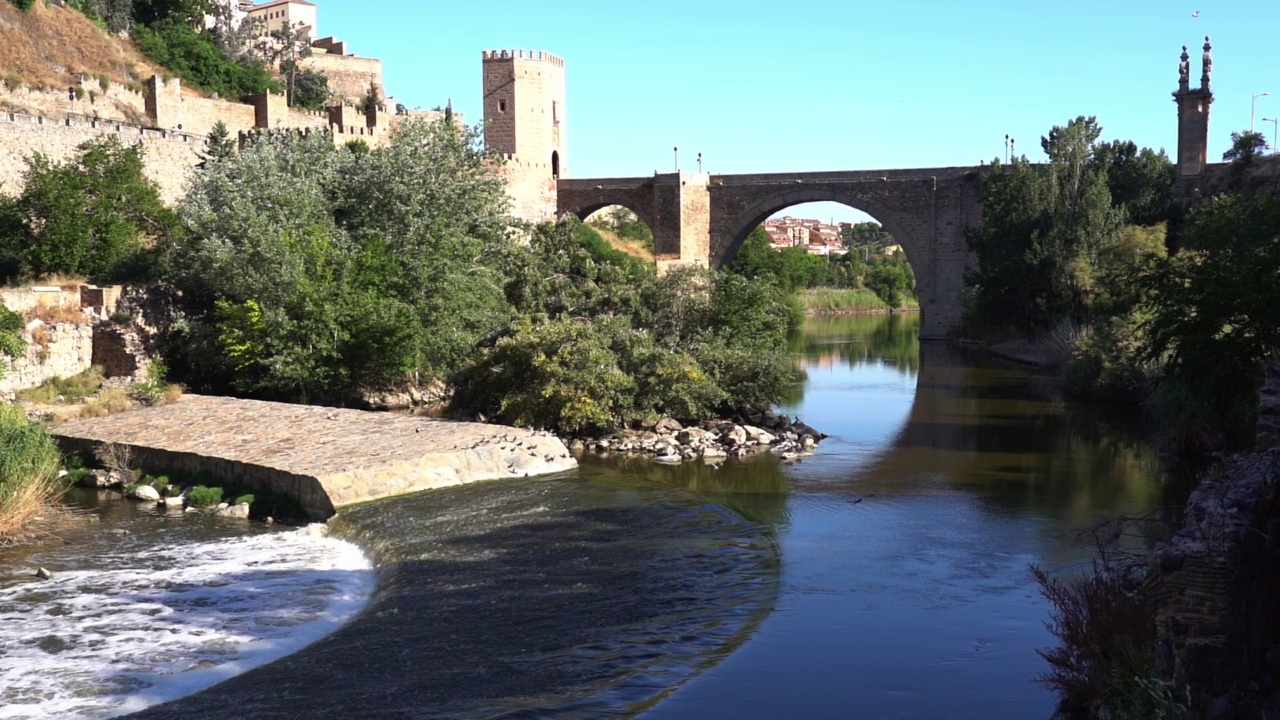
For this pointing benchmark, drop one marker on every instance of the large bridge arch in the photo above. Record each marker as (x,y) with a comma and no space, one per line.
(582,198)
(753,216)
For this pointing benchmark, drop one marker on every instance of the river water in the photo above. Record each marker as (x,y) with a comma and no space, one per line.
(886,576)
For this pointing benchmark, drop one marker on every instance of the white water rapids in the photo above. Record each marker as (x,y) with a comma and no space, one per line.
(149,624)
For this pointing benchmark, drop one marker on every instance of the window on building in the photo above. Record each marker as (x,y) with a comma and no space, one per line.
(555,112)
(502,106)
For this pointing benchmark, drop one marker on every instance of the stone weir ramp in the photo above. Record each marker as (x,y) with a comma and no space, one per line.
(325,457)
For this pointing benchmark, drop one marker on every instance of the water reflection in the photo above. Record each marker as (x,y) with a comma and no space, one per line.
(906,539)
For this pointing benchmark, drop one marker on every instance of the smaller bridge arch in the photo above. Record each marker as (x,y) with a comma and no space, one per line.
(581,198)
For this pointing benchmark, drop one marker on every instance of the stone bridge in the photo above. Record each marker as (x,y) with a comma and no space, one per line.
(703,219)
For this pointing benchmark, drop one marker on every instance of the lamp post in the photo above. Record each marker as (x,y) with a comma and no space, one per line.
(676,152)
(1006,148)
(699,163)
(1252,104)
(1275,129)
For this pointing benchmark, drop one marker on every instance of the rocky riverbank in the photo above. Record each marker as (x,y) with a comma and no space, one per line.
(668,441)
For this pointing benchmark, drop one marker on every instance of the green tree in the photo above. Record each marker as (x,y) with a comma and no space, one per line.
(95,215)
(1041,235)
(192,53)
(1140,180)
(221,144)
(1246,148)
(1213,320)
(308,89)
(313,272)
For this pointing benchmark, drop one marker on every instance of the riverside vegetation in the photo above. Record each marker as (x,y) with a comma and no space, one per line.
(1144,301)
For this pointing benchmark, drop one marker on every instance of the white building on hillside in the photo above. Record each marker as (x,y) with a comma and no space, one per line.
(275,14)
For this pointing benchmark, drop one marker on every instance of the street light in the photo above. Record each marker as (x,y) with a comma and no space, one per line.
(699,163)
(676,152)
(1275,128)
(1253,103)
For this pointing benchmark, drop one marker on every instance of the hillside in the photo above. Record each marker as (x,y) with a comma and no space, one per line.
(46,46)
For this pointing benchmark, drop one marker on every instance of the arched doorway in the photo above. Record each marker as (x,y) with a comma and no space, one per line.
(555,164)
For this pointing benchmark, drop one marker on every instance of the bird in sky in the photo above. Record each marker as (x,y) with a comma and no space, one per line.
(1195,14)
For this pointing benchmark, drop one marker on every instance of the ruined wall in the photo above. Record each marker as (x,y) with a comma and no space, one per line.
(53,351)
(117,102)
(349,76)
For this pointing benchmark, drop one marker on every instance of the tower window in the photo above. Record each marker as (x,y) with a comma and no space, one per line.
(502,106)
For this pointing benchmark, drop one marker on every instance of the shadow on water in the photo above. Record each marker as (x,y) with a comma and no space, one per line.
(524,598)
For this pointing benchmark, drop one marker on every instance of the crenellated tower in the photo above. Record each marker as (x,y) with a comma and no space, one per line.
(1193,114)
(524,120)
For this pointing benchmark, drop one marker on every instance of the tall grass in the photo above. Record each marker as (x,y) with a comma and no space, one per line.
(28,465)
(825,300)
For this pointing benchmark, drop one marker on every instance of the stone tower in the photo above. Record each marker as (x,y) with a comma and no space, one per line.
(1193,115)
(524,120)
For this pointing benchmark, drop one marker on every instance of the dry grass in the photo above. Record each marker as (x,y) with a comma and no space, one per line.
(107,402)
(630,247)
(47,45)
(57,315)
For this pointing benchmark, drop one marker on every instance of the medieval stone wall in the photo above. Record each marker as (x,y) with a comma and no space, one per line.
(350,77)
(168,156)
(117,102)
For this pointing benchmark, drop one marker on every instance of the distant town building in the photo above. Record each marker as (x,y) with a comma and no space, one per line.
(277,13)
(816,237)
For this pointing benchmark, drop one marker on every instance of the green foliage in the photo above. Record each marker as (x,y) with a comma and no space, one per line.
(1041,234)
(868,235)
(1213,319)
(204,496)
(308,90)
(27,467)
(153,390)
(244,500)
(891,279)
(11,343)
(314,272)
(23,5)
(194,55)
(599,342)
(1246,148)
(95,215)
(221,144)
(71,390)
(626,225)
(1141,181)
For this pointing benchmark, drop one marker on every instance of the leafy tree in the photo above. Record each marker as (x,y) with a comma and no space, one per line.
(95,215)
(114,15)
(891,280)
(313,272)
(1213,318)
(308,89)
(1140,181)
(188,12)
(1041,235)
(1246,148)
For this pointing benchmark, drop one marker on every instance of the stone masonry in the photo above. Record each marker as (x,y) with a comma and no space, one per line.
(326,458)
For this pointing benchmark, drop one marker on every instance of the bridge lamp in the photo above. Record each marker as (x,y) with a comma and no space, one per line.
(676,152)
(1253,104)
(699,163)
(1275,128)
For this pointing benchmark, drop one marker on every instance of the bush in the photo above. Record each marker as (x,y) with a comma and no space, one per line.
(196,58)
(244,500)
(28,466)
(203,496)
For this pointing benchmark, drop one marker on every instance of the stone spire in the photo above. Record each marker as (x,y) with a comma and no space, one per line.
(1184,71)
(1208,64)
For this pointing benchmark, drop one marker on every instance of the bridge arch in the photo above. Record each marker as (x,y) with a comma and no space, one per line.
(725,247)
(581,199)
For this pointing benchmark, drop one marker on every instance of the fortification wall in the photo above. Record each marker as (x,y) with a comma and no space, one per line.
(171,110)
(531,190)
(168,156)
(349,76)
(117,102)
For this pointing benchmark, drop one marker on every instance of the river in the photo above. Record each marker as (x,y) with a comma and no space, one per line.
(886,576)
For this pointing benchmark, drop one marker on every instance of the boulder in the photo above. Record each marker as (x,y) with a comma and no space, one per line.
(235,511)
(175,501)
(756,435)
(736,436)
(145,492)
(670,425)
(690,435)
(102,479)
(713,451)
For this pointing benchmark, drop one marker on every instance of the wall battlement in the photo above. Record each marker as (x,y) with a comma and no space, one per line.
(518,54)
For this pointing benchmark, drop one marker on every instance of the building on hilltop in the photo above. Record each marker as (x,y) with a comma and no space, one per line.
(816,237)
(277,13)
(524,121)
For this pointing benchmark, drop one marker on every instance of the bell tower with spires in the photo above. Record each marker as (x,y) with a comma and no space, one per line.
(1193,115)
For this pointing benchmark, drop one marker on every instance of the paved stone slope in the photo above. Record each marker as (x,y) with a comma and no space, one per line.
(325,457)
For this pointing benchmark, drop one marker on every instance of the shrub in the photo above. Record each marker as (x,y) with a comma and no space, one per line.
(28,466)
(107,402)
(71,390)
(244,500)
(203,496)
(160,483)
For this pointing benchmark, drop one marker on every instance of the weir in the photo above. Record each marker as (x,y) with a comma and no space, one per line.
(325,458)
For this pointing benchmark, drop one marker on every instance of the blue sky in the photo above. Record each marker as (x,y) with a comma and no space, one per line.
(815,85)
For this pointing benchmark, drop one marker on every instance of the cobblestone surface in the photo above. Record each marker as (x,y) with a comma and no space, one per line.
(325,457)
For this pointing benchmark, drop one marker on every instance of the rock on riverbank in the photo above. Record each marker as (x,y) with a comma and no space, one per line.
(671,442)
